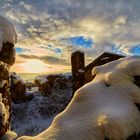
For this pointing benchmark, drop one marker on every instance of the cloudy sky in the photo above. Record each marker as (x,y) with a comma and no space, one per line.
(50,30)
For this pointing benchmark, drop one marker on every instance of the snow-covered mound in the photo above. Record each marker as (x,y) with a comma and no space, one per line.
(103,108)
(7,32)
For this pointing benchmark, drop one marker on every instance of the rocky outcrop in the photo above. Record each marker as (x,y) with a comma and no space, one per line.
(8,38)
(17,87)
(7,53)
(6,59)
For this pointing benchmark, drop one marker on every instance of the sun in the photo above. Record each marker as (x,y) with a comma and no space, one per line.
(34,66)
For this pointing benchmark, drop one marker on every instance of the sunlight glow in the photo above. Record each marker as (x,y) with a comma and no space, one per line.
(34,66)
(101,120)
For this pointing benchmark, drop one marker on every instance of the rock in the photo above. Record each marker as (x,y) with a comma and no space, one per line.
(7,53)
(5,94)
(8,38)
(17,88)
(7,58)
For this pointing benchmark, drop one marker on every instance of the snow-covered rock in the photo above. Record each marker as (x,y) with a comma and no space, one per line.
(17,88)
(15,78)
(7,32)
(8,38)
(103,108)
(46,83)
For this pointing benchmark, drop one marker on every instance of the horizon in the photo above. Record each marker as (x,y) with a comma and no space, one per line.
(31,76)
(49,31)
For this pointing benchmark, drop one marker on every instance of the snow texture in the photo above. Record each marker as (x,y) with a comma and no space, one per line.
(102,108)
(9,136)
(36,115)
(7,32)
(3,113)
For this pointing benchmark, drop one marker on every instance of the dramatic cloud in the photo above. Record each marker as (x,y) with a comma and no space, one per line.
(51,30)
(46,59)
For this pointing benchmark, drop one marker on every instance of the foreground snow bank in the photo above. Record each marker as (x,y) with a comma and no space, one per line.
(7,32)
(105,107)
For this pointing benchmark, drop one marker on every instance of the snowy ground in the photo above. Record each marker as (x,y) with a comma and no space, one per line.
(31,118)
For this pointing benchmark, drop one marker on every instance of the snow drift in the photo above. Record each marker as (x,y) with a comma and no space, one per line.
(103,108)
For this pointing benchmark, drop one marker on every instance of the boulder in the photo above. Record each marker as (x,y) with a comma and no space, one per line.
(18,89)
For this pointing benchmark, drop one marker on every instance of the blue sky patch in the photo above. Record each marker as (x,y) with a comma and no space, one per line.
(58,50)
(19,50)
(135,50)
(80,41)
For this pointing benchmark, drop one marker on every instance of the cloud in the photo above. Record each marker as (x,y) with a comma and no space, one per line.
(41,25)
(46,59)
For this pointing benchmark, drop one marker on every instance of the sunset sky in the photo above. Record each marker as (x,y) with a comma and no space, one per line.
(50,30)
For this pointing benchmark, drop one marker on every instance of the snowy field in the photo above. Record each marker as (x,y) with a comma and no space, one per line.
(34,116)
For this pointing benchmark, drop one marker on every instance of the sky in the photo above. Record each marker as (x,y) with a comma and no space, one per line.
(50,30)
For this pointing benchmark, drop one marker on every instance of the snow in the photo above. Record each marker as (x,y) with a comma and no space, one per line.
(105,58)
(37,115)
(81,71)
(102,108)
(41,79)
(31,117)
(2,83)
(9,136)
(3,113)
(7,32)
